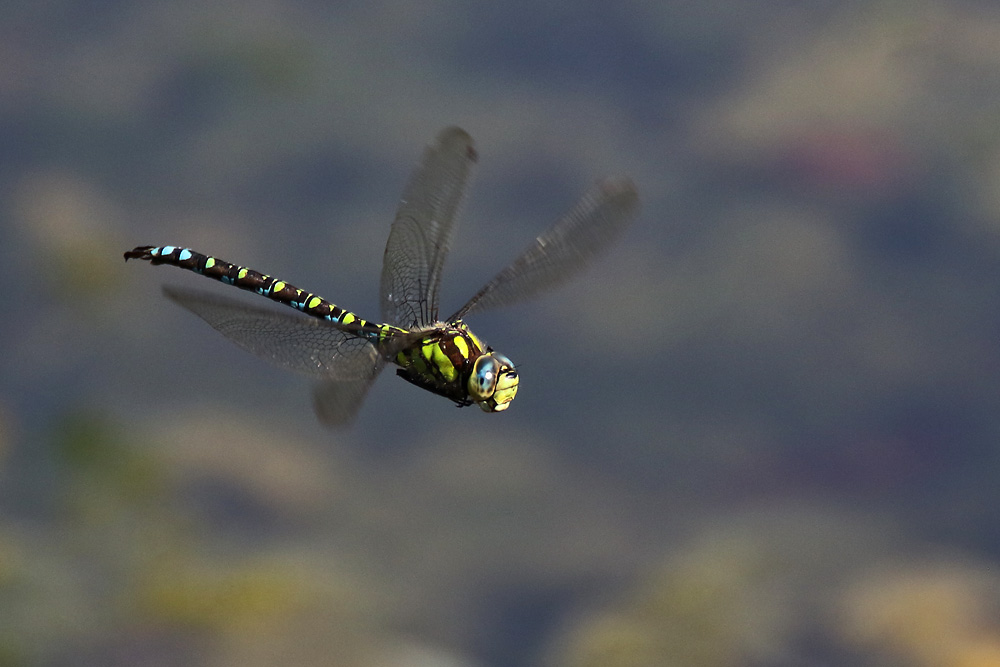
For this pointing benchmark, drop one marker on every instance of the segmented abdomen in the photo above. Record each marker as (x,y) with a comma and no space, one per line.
(259,283)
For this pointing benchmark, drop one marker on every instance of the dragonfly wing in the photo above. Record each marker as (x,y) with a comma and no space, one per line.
(422,231)
(586,231)
(337,402)
(293,342)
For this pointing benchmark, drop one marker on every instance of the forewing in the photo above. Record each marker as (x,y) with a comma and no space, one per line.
(294,342)
(592,226)
(421,234)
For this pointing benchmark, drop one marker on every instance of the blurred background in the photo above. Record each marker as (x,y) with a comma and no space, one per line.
(763,431)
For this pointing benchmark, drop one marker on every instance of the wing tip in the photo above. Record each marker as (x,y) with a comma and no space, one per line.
(455,138)
(622,190)
(618,185)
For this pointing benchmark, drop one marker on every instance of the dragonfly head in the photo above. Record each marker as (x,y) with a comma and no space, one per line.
(493,382)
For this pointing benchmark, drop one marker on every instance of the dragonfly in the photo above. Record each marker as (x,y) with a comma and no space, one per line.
(345,353)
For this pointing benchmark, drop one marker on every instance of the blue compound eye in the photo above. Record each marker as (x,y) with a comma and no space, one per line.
(483,380)
(505,363)
(493,382)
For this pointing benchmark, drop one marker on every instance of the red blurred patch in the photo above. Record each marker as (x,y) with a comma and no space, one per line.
(848,158)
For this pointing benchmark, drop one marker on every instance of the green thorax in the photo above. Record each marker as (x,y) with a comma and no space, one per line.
(442,360)
(451,361)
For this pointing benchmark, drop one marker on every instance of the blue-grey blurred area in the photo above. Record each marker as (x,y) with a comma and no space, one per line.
(763,431)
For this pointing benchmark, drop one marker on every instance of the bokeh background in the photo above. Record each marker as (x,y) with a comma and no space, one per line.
(763,431)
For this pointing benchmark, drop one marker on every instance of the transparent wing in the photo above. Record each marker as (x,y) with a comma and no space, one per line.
(346,364)
(336,402)
(421,234)
(294,342)
(579,236)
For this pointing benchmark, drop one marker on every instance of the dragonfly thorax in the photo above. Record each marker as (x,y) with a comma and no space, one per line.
(450,360)
(493,382)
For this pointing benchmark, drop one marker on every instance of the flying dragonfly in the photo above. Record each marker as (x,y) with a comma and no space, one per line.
(345,353)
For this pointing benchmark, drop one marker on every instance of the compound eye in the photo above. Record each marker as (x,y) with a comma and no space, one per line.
(505,363)
(483,380)
(493,382)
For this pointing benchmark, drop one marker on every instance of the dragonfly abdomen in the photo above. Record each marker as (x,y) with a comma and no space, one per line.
(258,283)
